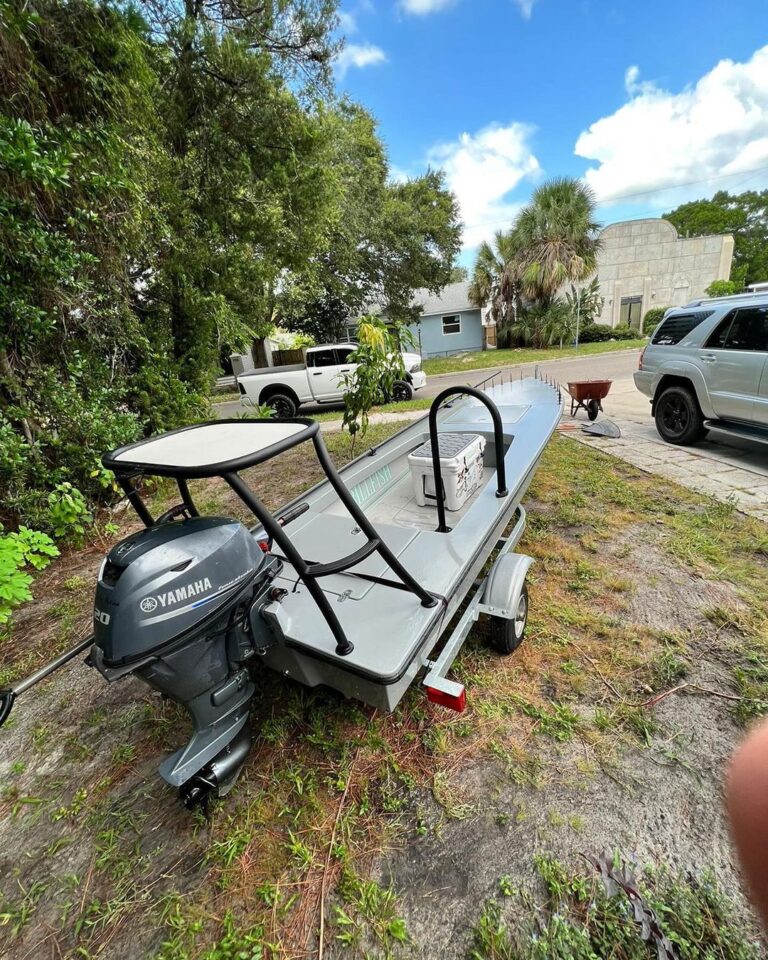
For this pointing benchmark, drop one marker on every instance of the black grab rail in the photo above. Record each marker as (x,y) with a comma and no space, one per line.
(498,439)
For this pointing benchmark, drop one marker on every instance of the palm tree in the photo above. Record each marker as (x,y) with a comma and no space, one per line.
(495,278)
(557,238)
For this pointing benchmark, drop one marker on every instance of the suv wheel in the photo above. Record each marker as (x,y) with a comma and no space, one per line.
(678,418)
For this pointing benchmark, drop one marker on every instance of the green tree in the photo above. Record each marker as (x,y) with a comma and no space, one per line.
(745,215)
(384,240)
(379,365)
(77,122)
(557,234)
(722,288)
(496,278)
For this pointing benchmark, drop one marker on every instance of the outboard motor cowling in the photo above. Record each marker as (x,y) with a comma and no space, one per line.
(173,606)
(163,583)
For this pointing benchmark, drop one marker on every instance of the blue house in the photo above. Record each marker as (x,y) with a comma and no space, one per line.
(449,323)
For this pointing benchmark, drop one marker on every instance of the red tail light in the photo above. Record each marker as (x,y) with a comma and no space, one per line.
(455,702)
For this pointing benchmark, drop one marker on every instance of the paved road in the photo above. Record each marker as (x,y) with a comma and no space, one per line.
(611,366)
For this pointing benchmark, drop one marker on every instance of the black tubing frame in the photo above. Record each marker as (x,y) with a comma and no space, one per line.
(498,439)
(309,573)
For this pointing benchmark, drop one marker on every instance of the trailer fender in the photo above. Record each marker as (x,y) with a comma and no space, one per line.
(505,584)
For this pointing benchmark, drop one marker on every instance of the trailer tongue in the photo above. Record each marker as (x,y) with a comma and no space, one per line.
(357,593)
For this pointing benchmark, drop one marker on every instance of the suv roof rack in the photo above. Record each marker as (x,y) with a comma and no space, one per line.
(701,301)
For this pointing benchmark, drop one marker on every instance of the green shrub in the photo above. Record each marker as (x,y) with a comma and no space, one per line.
(68,513)
(18,551)
(623,332)
(595,333)
(723,288)
(653,318)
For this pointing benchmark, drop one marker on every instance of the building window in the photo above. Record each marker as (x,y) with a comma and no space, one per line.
(451,324)
(631,312)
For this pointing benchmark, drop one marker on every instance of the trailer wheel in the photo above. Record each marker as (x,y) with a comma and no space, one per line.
(507,635)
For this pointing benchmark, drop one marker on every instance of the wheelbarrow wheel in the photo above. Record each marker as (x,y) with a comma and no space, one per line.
(507,635)
(593,408)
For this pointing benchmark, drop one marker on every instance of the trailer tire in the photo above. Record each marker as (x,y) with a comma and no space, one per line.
(283,404)
(507,635)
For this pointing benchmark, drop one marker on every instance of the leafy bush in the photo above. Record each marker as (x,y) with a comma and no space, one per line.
(26,548)
(379,367)
(595,333)
(68,513)
(623,332)
(653,318)
(723,288)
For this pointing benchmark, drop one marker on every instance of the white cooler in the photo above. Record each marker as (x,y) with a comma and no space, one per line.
(461,467)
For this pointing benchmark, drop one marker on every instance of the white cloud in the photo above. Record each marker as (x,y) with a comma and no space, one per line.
(482,169)
(347,21)
(686,142)
(420,8)
(525,7)
(359,55)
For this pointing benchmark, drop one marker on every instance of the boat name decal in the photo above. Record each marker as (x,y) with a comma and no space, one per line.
(371,485)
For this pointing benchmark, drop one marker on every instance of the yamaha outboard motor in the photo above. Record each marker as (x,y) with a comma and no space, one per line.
(173,606)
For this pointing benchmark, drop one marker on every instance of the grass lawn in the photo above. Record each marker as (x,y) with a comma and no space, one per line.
(422,833)
(418,403)
(488,359)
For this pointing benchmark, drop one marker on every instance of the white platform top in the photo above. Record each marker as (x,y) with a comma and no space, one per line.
(210,443)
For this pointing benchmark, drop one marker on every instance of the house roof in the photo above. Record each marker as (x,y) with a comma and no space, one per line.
(451,299)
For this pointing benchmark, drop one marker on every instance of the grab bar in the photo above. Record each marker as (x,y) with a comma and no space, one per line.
(498,439)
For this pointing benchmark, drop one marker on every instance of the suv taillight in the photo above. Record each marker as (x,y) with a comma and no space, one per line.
(640,359)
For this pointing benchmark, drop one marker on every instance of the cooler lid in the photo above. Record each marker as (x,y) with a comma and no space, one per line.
(450,445)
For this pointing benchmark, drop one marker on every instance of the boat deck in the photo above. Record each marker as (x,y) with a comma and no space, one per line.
(386,625)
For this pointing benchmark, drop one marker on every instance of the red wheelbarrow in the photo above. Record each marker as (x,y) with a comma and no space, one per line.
(588,395)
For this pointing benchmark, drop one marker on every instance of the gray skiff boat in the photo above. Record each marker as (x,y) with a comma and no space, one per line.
(352,586)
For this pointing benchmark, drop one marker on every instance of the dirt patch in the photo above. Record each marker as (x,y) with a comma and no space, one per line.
(665,596)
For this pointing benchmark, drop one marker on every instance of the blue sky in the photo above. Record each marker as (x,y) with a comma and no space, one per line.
(652,102)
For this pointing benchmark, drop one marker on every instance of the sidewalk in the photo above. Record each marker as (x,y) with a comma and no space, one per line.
(735,473)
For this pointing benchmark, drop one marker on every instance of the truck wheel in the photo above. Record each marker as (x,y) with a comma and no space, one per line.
(507,635)
(401,391)
(283,404)
(678,418)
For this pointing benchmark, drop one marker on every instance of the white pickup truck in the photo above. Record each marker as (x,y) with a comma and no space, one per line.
(318,380)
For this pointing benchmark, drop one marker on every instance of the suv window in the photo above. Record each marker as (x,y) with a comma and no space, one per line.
(742,329)
(677,327)
(322,358)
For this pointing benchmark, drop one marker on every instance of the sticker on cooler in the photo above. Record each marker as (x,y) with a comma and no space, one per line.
(461,468)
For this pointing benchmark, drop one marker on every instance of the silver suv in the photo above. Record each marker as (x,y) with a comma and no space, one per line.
(706,368)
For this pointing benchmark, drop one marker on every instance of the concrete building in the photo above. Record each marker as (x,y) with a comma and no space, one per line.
(645,263)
